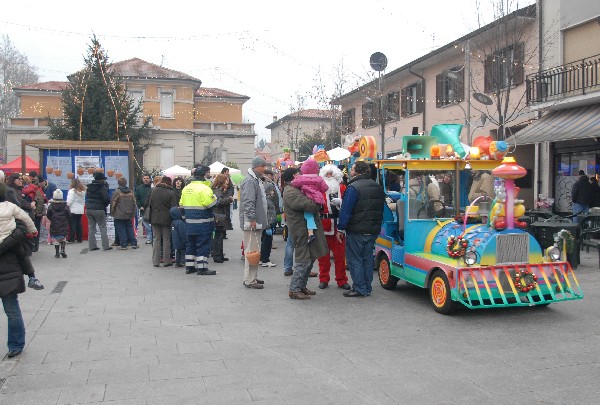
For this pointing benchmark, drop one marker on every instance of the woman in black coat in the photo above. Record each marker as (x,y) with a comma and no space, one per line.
(14,185)
(220,187)
(162,199)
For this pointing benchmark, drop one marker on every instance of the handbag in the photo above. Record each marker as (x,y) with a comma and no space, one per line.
(220,219)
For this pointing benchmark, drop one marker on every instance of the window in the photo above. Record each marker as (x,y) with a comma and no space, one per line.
(138,100)
(167,157)
(504,68)
(166,105)
(392,107)
(348,121)
(412,99)
(449,90)
(370,114)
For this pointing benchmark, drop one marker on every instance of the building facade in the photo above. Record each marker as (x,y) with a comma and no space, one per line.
(189,123)
(565,95)
(288,131)
(477,80)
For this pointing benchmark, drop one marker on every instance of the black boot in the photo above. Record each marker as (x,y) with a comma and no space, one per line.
(57,255)
(62,249)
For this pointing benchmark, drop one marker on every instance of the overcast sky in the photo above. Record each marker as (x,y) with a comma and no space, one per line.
(264,49)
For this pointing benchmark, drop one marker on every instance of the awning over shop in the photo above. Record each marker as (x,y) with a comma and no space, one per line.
(562,125)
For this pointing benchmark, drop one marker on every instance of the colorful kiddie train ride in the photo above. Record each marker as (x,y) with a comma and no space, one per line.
(470,252)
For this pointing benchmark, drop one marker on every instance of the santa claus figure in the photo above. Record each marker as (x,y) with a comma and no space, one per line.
(329,217)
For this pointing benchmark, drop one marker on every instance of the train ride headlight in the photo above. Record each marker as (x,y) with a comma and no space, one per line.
(554,254)
(469,282)
(470,258)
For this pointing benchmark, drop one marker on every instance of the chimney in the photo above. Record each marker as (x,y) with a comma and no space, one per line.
(274,118)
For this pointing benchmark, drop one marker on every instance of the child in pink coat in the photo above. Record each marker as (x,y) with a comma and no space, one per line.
(313,186)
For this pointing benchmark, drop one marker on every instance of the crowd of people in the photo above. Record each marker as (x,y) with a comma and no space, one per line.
(186,223)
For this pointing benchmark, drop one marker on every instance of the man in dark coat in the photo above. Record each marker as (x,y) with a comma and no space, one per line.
(295,204)
(96,201)
(360,220)
(141,197)
(162,199)
(581,195)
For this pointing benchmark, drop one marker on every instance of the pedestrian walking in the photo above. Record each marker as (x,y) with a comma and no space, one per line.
(76,204)
(296,204)
(360,221)
(96,201)
(58,214)
(122,208)
(162,199)
(197,200)
(253,218)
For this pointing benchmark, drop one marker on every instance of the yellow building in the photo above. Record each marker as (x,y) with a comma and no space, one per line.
(189,123)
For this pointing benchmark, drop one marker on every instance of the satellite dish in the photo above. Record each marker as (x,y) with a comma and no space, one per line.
(378,61)
(483,99)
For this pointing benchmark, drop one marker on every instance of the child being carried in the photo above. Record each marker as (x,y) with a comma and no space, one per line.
(313,186)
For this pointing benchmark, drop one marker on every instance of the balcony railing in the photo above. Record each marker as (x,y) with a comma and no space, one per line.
(576,78)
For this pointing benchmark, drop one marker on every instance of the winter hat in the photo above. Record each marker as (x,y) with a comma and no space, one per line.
(310,167)
(99,176)
(288,174)
(258,161)
(57,195)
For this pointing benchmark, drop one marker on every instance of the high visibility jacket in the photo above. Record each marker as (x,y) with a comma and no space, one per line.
(197,199)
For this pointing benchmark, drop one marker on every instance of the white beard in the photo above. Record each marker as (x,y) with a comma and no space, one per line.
(333,184)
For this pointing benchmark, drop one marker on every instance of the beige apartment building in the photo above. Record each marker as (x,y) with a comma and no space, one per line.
(190,123)
(452,85)
(564,94)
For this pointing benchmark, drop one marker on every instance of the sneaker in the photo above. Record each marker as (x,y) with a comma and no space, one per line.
(268,264)
(122,248)
(35,284)
(148,242)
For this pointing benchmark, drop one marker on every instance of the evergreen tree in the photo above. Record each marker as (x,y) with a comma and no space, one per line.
(97,107)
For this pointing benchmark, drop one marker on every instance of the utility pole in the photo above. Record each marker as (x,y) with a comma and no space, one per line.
(381,118)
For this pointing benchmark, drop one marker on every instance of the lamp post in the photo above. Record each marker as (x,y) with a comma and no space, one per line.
(378,62)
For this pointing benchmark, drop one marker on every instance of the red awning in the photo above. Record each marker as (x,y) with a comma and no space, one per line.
(15,166)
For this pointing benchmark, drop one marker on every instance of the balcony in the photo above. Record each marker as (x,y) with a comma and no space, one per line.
(234,128)
(578,78)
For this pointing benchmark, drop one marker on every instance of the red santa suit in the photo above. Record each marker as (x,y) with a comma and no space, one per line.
(329,218)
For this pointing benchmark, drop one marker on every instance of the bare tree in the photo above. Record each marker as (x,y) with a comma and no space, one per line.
(15,71)
(504,51)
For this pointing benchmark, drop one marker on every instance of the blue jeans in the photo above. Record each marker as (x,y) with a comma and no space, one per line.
(16,326)
(359,255)
(288,258)
(148,229)
(124,229)
(580,209)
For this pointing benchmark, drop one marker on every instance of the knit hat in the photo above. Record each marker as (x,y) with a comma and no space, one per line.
(310,167)
(258,161)
(288,174)
(57,195)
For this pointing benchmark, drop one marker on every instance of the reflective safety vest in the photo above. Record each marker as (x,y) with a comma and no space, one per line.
(197,199)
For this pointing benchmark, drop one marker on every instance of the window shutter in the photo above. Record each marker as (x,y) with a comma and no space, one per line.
(420,98)
(518,60)
(403,102)
(439,91)
(489,74)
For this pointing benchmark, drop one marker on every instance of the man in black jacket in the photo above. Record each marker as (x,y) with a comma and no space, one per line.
(96,201)
(581,195)
(360,220)
(141,197)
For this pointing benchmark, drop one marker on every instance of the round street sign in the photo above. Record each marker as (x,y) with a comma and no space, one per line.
(378,61)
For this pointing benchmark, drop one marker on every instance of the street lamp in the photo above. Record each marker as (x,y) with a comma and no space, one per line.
(378,62)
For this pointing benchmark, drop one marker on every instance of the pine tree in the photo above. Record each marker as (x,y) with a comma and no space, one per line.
(97,107)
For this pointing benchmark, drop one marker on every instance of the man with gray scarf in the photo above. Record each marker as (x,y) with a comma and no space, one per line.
(253,217)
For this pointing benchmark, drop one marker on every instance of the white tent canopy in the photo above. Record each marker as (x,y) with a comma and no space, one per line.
(176,170)
(218,166)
